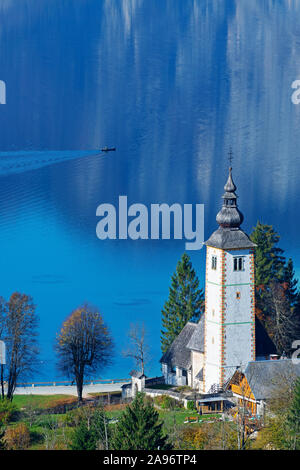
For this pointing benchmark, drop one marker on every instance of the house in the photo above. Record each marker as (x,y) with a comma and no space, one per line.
(185,356)
(255,385)
(206,355)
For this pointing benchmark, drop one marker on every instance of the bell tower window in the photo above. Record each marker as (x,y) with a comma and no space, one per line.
(238,263)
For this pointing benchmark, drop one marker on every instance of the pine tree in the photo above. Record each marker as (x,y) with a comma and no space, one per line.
(92,433)
(269,266)
(269,260)
(185,302)
(139,428)
(290,283)
(83,438)
(293,419)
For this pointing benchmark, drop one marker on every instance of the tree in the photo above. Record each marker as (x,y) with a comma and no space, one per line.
(282,324)
(84,345)
(20,335)
(277,299)
(269,259)
(278,431)
(93,432)
(293,418)
(185,302)
(290,283)
(138,349)
(7,411)
(269,265)
(139,428)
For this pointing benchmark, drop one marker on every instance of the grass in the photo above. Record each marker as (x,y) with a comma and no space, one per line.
(180,416)
(42,401)
(104,394)
(168,416)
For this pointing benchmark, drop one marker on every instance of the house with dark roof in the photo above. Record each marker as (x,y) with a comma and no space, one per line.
(257,383)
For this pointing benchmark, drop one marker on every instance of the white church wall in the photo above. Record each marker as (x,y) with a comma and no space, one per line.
(229,318)
(238,318)
(197,364)
(213,313)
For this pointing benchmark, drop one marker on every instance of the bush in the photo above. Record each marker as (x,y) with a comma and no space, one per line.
(17,437)
(167,403)
(7,411)
(191,405)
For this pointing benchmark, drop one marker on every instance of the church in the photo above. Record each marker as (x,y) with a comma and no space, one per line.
(206,355)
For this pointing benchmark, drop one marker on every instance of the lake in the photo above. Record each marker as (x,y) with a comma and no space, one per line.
(173,85)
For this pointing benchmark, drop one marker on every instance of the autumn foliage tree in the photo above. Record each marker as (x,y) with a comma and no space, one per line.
(84,345)
(20,336)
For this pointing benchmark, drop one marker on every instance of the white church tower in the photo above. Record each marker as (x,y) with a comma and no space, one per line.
(229,327)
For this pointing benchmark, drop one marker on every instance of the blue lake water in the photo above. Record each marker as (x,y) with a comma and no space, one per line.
(172,84)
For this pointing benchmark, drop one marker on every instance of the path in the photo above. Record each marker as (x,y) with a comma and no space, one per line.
(68,389)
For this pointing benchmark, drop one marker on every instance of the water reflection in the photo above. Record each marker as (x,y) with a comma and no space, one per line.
(172,85)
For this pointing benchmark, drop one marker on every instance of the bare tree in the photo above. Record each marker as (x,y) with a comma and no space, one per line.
(138,349)
(283,321)
(20,335)
(84,345)
(283,390)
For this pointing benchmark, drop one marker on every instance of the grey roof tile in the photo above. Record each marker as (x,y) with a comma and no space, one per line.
(229,238)
(264,376)
(178,354)
(196,342)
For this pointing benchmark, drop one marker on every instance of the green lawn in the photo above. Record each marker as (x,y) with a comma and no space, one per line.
(104,394)
(42,401)
(168,416)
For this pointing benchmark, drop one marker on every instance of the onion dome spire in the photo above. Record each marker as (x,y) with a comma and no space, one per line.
(230,216)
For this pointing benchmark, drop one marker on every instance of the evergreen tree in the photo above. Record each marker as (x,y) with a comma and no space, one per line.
(290,284)
(92,433)
(293,419)
(269,266)
(83,438)
(185,302)
(269,259)
(139,428)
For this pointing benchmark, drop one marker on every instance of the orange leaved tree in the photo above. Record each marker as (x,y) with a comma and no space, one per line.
(84,345)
